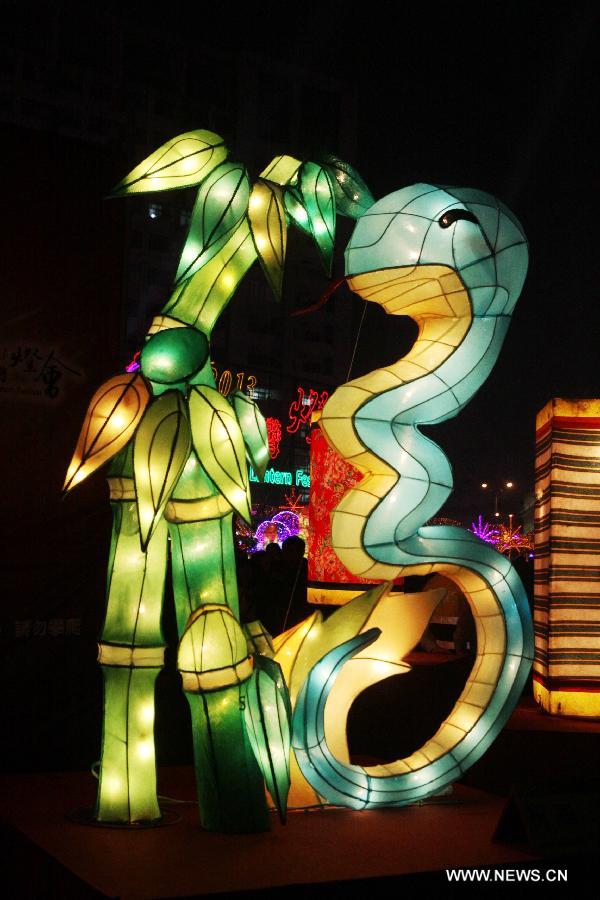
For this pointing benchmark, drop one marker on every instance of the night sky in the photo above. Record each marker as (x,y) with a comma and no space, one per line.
(500,97)
(506,103)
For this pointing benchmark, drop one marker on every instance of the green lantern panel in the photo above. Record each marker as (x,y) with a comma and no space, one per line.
(269,231)
(319,202)
(254,431)
(219,443)
(174,355)
(268,716)
(160,451)
(221,205)
(127,790)
(183,161)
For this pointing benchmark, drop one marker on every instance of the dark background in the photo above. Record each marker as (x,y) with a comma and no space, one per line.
(499,97)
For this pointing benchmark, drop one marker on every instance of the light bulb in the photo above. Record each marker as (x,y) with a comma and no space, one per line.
(145,749)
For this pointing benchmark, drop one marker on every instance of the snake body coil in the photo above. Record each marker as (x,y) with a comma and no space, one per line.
(455,261)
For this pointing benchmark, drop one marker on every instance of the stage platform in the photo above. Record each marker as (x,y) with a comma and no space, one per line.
(379,852)
(58,858)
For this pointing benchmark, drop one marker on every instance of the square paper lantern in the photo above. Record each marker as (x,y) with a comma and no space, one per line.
(566,673)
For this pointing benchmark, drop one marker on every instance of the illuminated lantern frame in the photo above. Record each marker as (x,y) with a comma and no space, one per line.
(178,454)
(567,515)
(455,261)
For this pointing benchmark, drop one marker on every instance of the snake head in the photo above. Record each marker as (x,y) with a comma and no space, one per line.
(426,233)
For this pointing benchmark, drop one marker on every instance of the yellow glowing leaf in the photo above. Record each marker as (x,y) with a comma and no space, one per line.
(219,443)
(401,620)
(293,645)
(269,231)
(111,419)
(160,451)
(344,624)
(183,161)
(281,170)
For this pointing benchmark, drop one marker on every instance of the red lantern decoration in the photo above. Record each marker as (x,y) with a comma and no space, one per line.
(274,435)
(329,582)
(302,408)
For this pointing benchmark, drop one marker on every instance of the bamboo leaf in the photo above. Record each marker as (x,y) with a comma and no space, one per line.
(272,668)
(319,202)
(352,196)
(281,170)
(110,422)
(183,161)
(269,231)
(219,443)
(254,431)
(294,207)
(160,451)
(220,206)
(267,715)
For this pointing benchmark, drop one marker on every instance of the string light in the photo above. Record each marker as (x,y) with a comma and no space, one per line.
(505,538)
(483,530)
(302,408)
(510,540)
(276,529)
(292,501)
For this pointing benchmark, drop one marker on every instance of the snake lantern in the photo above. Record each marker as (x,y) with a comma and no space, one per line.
(454,260)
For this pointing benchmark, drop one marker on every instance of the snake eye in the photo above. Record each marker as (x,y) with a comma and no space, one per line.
(453,215)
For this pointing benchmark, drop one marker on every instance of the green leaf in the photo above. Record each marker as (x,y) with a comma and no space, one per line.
(273,669)
(294,207)
(160,451)
(220,206)
(318,200)
(254,431)
(352,196)
(218,441)
(267,715)
(183,161)
(269,231)
(259,640)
